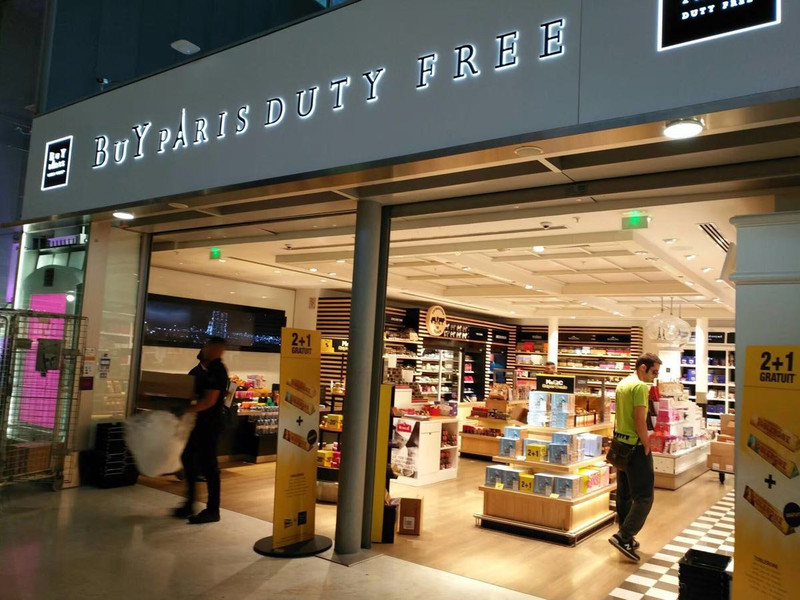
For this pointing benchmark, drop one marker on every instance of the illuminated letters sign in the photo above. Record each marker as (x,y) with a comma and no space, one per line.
(55,173)
(500,53)
(684,22)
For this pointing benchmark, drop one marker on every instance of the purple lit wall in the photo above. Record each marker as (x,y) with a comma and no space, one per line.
(39,395)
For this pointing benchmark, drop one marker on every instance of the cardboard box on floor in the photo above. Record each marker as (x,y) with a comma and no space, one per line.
(410,518)
(722,456)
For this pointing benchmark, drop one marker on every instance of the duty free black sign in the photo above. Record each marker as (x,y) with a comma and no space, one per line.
(684,22)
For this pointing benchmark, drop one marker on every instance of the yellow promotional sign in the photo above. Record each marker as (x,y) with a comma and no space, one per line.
(768,481)
(296,471)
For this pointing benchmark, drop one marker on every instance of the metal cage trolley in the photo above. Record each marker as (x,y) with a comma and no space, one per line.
(41,361)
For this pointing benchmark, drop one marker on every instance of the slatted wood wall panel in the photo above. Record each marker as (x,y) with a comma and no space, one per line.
(333,321)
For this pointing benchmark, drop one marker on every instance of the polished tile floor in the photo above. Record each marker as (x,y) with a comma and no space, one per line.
(92,544)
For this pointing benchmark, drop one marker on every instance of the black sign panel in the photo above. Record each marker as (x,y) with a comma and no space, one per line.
(577,337)
(611,338)
(562,384)
(479,334)
(530,336)
(395,320)
(716,337)
(690,21)
(56,163)
(500,336)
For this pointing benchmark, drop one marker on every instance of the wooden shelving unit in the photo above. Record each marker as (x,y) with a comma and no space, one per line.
(722,369)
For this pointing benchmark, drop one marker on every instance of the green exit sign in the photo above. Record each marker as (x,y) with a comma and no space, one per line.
(215,254)
(635,222)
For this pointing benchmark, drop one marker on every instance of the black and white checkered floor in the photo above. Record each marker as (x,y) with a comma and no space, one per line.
(658,577)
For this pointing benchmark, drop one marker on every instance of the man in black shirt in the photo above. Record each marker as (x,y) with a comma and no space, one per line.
(200,454)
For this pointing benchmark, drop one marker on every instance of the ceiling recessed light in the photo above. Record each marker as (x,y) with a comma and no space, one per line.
(123,216)
(323,281)
(466,268)
(690,256)
(538,248)
(331,274)
(233,292)
(70,297)
(707,269)
(717,300)
(538,290)
(179,205)
(263,297)
(222,260)
(584,304)
(185,47)
(641,253)
(524,151)
(277,270)
(720,281)
(341,261)
(313,269)
(573,317)
(528,287)
(670,241)
(681,129)
(690,283)
(513,312)
(651,258)
(619,314)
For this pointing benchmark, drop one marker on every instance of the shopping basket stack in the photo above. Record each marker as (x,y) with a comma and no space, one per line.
(704,576)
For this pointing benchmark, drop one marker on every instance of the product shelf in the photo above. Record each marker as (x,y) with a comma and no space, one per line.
(585,429)
(568,501)
(548,467)
(612,356)
(407,342)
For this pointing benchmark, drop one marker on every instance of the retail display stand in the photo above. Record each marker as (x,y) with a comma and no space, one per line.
(427,450)
(557,486)
(487,421)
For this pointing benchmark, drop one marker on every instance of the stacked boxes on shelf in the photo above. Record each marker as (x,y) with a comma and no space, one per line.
(568,486)
(679,422)
(723,449)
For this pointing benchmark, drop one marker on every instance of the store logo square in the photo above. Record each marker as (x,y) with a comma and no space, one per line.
(57,158)
(685,22)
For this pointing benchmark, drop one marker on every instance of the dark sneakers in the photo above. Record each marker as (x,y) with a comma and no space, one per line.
(636,544)
(204,516)
(627,548)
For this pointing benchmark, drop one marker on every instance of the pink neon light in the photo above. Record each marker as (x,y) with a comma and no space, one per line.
(39,398)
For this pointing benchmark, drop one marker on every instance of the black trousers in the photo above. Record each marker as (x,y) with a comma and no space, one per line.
(200,457)
(635,491)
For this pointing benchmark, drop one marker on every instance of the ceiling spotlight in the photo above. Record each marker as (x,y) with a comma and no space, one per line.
(123,216)
(529,287)
(341,261)
(619,314)
(681,129)
(524,151)
(689,283)
(717,300)
(670,241)
(651,258)
(538,248)
(185,47)
(70,297)
(584,304)
(573,317)
(277,270)
(222,260)
(707,269)
(641,253)
(513,312)
(179,205)
(720,281)
(331,274)
(323,281)
(313,269)
(690,256)
(466,268)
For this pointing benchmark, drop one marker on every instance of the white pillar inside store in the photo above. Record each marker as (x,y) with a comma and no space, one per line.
(670,364)
(701,359)
(305,309)
(552,340)
(767,280)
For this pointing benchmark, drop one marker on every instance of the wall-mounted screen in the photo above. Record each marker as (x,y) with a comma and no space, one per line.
(185,323)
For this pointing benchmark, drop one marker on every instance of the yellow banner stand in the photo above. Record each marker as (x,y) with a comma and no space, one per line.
(298,430)
(768,481)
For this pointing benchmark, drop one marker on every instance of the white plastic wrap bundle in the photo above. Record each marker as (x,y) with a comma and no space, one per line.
(157,439)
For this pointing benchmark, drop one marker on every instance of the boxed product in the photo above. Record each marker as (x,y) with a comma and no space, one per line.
(324,458)
(536,451)
(559,420)
(509,447)
(563,403)
(543,484)
(410,520)
(668,415)
(494,475)
(558,454)
(605,473)
(537,418)
(526,482)
(592,444)
(334,421)
(727,424)
(537,401)
(568,486)
(515,432)
(511,479)
(723,450)
(592,477)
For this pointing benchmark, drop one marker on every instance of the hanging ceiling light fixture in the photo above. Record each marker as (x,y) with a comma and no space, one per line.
(668,330)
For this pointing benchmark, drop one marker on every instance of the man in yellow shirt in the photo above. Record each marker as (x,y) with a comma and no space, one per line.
(635,484)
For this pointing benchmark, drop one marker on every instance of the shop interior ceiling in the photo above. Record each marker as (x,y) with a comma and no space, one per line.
(496,207)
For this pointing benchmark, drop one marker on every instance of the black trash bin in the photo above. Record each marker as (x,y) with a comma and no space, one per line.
(704,576)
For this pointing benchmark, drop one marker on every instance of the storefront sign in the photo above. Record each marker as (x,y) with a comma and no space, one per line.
(532,336)
(395,320)
(562,384)
(296,471)
(478,334)
(334,345)
(768,482)
(684,22)
(436,321)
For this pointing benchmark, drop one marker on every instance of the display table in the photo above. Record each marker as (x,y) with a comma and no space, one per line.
(421,456)
(676,470)
(479,445)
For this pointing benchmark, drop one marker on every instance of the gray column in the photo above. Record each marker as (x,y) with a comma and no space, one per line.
(359,378)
